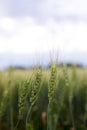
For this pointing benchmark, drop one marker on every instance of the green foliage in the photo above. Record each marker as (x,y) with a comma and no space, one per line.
(29,126)
(4,101)
(59,93)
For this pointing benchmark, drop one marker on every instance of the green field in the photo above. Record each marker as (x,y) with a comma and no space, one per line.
(43,99)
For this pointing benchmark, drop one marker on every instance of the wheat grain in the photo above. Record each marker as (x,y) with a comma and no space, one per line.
(34,93)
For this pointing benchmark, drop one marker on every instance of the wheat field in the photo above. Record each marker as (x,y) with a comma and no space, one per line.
(44,99)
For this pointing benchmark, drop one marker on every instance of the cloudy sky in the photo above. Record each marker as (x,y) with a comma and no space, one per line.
(28,27)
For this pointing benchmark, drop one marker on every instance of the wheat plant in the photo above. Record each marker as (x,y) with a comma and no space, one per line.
(51,113)
(34,94)
(71,90)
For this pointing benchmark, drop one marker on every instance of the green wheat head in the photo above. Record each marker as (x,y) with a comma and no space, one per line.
(65,75)
(34,95)
(52,106)
(22,96)
(36,87)
(70,96)
(23,92)
(52,82)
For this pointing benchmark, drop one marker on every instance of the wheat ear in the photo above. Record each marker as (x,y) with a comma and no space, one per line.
(51,91)
(34,93)
(67,83)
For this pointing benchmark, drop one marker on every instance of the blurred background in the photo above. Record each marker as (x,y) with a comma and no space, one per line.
(31,29)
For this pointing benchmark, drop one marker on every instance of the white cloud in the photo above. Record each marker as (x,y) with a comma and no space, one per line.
(26,36)
(76,7)
(50,8)
(7,24)
(43,9)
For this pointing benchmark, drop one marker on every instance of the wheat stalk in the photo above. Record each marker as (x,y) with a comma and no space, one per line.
(4,101)
(51,92)
(52,82)
(67,83)
(34,93)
